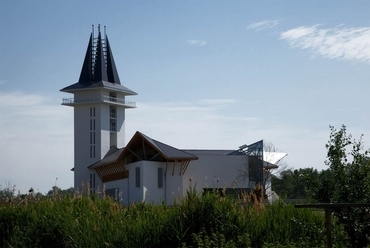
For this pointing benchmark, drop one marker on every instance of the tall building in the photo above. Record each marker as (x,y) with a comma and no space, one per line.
(99,105)
(146,169)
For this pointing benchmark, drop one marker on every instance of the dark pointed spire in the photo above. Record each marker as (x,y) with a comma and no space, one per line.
(99,69)
(111,66)
(86,74)
(99,63)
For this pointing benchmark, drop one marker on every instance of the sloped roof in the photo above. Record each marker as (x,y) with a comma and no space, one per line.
(273,157)
(100,84)
(167,151)
(138,140)
(213,152)
(111,157)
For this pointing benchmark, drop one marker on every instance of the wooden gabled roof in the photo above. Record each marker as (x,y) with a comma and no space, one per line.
(140,147)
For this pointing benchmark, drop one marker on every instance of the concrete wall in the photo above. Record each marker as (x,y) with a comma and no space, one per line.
(135,194)
(103,136)
(82,157)
(215,171)
(152,194)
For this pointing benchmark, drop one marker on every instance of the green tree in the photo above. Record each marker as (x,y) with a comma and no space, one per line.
(293,184)
(347,181)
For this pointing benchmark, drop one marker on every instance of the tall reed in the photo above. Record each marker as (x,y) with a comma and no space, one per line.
(211,219)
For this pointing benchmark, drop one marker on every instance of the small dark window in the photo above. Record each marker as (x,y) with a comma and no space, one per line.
(112,96)
(137,177)
(92,181)
(160,177)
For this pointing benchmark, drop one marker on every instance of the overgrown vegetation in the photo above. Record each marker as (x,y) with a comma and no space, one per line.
(209,220)
(212,219)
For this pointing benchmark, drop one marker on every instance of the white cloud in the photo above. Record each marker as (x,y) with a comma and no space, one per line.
(263,25)
(197,42)
(218,101)
(333,43)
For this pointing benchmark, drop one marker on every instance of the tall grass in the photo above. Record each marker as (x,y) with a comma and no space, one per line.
(198,220)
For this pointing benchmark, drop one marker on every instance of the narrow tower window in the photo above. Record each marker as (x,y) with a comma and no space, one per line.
(137,177)
(160,177)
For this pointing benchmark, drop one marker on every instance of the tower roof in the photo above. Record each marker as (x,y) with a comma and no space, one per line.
(99,69)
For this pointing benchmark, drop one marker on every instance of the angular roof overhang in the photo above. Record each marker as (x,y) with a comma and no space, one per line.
(98,85)
(273,157)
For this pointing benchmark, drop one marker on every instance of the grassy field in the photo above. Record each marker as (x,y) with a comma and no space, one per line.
(208,220)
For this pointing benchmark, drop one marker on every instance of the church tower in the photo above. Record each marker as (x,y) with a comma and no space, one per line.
(99,105)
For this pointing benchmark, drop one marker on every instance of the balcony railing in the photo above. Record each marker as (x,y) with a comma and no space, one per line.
(109,99)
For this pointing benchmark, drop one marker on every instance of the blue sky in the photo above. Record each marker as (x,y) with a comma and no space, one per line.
(210,74)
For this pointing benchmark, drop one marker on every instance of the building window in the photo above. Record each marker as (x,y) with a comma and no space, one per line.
(113,112)
(92,181)
(137,177)
(92,132)
(113,126)
(160,177)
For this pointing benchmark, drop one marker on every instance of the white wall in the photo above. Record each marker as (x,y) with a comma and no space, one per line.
(103,134)
(208,168)
(135,194)
(82,145)
(152,194)
(173,183)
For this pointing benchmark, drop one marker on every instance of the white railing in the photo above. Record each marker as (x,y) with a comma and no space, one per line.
(67,101)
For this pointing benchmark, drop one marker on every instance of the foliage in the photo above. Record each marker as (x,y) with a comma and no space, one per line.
(205,220)
(347,181)
(292,184)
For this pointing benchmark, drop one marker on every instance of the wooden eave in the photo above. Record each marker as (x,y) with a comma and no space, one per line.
(113,171)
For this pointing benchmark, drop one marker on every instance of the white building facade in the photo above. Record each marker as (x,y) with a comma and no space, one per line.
(144,169)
